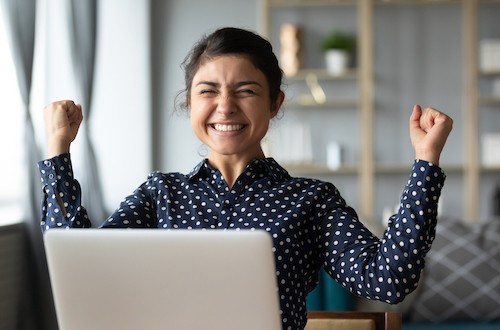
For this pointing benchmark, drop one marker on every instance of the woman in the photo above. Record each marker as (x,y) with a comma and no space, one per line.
(233,90)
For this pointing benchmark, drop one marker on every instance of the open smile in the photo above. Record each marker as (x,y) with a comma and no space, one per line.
(227,128)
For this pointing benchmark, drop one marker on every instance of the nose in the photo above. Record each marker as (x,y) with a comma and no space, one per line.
(226,104)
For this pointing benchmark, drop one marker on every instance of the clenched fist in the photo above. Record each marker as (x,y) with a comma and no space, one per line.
(62,120)
(429,130)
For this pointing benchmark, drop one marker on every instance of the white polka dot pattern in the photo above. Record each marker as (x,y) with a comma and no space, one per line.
(310,223)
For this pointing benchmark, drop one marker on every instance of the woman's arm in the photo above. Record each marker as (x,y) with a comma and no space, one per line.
(62,205)
(62,121)
(389,268)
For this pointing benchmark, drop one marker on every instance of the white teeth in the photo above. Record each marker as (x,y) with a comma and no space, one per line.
(227,128)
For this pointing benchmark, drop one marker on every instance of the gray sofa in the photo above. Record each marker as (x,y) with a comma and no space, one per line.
(460,286)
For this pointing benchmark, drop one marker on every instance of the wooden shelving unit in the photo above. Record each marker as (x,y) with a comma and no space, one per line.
(363,75)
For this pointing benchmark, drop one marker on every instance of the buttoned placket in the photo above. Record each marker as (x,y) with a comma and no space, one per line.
(228,198)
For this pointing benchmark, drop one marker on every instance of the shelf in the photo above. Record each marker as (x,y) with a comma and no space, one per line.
(324,3)
(495,101)
(322,74)
(393,168)
(489,73)
(318,168)
(490,168)
(310,3)
(381,169)
(307,101)
(406,169)
(416,2)
(317,98)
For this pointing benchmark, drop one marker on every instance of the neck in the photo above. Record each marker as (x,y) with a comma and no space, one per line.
(232,166)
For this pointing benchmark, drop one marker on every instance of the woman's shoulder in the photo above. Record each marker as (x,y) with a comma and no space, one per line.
(159,176)
(312,187)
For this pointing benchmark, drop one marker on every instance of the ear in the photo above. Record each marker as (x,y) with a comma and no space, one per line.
(275,107)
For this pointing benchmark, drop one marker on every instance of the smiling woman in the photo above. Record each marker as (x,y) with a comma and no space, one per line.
(233,90)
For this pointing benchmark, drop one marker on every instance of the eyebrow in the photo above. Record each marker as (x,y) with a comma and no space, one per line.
(238,84)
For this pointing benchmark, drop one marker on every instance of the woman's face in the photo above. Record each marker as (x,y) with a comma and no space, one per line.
(231,108)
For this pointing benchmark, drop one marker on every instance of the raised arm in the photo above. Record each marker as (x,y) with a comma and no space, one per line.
(62,205)
(62,120)
(389,268)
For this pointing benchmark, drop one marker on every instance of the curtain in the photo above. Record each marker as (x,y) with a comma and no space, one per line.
(37,305)
(83,25)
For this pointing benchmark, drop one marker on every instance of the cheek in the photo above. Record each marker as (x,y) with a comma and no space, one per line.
(197,114)
(197,124)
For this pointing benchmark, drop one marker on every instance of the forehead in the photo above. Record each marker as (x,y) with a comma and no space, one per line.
(229,67)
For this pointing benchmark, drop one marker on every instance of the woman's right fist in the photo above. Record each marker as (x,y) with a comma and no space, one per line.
(62,120)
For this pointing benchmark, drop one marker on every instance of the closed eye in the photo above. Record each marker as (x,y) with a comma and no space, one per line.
(207,91)
(246,91)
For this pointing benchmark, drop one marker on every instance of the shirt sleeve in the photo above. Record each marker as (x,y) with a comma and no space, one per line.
(61,189)
(389,268)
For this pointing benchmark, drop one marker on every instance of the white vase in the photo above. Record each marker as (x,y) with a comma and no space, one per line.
(336,61)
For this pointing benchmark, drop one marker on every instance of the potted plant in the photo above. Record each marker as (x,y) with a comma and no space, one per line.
(338,48)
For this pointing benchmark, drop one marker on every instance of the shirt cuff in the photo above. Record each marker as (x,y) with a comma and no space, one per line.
(427,180)
(55,168)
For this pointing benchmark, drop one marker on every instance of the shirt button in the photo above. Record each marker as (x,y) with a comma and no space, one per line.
(51,176)
(48,163)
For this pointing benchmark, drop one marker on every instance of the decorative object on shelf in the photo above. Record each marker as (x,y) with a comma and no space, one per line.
(291,49)
(489,57)
(316,92)
(491,149)
(334,157)
(338,48)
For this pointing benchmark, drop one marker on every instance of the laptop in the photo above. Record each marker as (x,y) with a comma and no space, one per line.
(105,279)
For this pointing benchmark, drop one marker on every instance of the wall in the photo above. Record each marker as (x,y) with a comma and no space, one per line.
(411,66)
(122,99)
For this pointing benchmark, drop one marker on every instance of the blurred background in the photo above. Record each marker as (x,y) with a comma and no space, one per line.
(121,60)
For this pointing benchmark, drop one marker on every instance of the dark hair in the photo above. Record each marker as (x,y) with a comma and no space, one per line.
(229,40)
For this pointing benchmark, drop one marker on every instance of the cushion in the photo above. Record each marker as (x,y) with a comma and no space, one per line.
(461,281)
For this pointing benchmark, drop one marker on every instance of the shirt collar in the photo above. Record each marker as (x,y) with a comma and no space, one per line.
(267,165)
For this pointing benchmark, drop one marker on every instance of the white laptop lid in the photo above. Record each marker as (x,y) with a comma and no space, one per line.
(158,279)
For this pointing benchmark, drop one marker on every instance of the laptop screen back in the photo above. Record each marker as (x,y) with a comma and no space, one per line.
(159,279)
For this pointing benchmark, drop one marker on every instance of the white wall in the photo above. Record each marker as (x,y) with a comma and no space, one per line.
(122,99)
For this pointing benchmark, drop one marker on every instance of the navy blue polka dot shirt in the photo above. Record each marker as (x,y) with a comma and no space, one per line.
(310,223)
